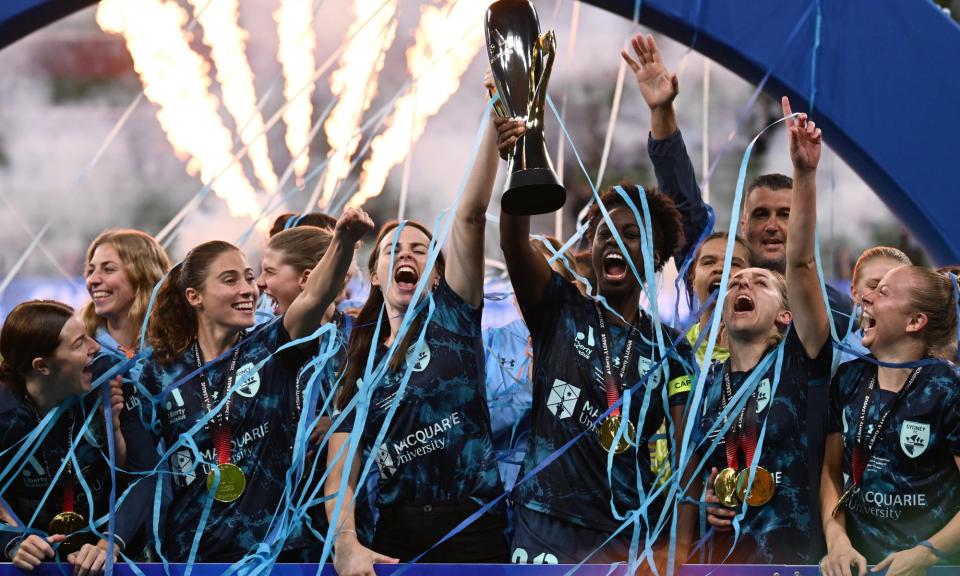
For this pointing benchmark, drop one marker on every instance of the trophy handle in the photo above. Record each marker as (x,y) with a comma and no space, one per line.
(545,49)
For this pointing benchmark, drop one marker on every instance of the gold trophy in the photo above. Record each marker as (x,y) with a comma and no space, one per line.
(521,60)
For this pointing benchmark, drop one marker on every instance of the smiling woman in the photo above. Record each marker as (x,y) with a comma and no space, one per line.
(46,372)
(206,367)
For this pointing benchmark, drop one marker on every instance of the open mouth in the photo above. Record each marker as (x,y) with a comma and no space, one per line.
(406,277)
(772,244)
(245,307)
(714,287)
(98,295)
(867,322)
(743,303)
(614,266)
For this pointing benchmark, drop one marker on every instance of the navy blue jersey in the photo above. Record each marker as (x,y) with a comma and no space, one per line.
(569,394)
(911,486)
(262,431)
(438,445)
(31,481)
(786,530)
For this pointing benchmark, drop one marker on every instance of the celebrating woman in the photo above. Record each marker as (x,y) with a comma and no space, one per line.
(895,434)
(436,462)
(46,371)
(759,421)
(227,389)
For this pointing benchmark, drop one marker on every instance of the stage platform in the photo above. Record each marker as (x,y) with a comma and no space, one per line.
(49,569)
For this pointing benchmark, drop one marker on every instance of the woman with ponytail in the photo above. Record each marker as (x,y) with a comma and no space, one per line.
(208,366)
(894,433)
(425,488)
(46,373)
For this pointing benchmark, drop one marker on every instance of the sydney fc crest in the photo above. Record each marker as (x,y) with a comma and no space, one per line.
(914,438)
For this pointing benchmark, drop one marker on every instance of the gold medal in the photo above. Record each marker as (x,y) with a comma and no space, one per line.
(844,499)
(725,487)
(608,431)
(762,489)
(232,483)
(67,523)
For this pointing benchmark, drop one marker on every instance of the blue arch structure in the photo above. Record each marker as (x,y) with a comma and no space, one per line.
(887,83)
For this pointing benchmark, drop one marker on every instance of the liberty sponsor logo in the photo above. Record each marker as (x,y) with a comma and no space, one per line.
(584,343)
(33,473)
(562,399)
(914,438)
(763,394)
(249,379)
(421,442)
(175,406)
(418,355)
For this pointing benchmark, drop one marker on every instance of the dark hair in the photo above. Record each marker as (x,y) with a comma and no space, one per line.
(173,324)
(145,262)
(771,181)
(738,239)
(302,248)
(361,339)
(31,330)
(314,219)
(667,227)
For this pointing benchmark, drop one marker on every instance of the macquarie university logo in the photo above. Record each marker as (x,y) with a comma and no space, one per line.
(563,399)
(914,438)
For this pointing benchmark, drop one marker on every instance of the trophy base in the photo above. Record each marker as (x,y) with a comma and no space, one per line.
(532,191)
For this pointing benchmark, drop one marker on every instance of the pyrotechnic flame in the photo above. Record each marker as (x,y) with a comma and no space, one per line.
(354,84)
(176,79)
(296,56)
(227,42)
(447,40)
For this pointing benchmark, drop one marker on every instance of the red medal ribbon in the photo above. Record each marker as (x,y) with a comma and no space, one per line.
(222,442)
(68,497)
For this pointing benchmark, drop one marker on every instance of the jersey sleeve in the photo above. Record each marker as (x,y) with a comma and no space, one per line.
(681,374)
(455,314)
(677,179)
(951,422)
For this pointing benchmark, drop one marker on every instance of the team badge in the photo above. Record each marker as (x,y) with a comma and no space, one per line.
(419,355)
(249,380)
(914,438)
(763,395)
(644,365)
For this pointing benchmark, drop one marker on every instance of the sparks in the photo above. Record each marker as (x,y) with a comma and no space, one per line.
(447,40)
(298,42)
(176,79)
(227,42)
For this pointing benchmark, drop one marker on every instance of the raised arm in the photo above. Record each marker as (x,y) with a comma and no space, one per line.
(351,558)
(803,283)
(325,281)
(671,162)
(528,269)
(464,271)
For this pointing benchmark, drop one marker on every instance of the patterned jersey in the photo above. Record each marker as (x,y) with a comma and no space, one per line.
(32,478)
(786,530)
(262,431)
(438,445)
(911,486)
(569,394)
